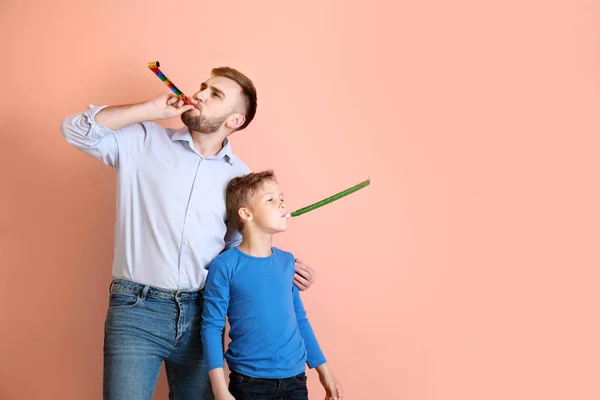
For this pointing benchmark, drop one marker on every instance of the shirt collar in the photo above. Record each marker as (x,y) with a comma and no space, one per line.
(183,134)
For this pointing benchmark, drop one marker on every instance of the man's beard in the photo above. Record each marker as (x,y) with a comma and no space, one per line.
(200,123)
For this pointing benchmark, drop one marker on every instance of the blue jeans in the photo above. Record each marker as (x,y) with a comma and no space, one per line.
(243,387)
(144,327)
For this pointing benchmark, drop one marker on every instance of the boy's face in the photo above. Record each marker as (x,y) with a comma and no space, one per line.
(268,209)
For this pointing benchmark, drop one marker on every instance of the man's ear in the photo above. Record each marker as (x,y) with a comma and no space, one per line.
(235,121)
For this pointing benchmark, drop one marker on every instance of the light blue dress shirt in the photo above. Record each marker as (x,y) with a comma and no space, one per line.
(170,217)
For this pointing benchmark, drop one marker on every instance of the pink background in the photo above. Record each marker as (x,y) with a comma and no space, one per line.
(468,270)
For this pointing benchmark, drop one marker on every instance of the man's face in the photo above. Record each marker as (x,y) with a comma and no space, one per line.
(218,100)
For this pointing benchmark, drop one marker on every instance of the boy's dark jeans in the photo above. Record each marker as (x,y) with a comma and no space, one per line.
(243,387)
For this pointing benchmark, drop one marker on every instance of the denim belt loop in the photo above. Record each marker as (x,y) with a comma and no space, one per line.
(145,292)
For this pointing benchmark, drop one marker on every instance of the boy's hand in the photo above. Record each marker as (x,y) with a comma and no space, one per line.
(225,396)
(305,276)
(333,389)
(219,387)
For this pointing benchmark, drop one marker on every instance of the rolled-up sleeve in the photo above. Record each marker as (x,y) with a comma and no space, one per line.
(83,132)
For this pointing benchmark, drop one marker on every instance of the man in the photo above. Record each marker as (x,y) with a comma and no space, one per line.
(170,224)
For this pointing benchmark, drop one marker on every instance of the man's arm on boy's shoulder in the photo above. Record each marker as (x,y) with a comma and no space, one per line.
(305,276)
(214,312)
(232,236)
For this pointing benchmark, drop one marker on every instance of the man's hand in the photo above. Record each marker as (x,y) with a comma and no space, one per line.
(224,396)
(165,106)
(168,105)
(305,276)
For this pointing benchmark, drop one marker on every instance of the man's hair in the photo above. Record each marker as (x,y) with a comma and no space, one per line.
(248,91)
(239,192)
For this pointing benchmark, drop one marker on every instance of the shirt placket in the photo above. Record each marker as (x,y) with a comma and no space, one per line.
(185,260)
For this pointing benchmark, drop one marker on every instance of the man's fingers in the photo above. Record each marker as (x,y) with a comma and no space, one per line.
(304,275)
(303,279)
(185,108)
(302,267)
(304,272)
(301,282)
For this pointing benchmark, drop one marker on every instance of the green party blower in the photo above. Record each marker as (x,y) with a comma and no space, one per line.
(330,199)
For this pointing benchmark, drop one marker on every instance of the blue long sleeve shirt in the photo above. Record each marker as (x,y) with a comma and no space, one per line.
(271,336)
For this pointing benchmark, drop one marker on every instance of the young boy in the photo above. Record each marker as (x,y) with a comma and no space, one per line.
(252,285)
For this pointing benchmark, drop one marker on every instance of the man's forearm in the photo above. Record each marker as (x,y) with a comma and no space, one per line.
(117,117)
(217,381)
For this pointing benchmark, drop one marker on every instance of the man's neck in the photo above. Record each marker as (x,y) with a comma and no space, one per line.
(257,244)
(208,145)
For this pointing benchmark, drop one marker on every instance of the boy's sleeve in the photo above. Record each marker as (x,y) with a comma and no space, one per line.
(315,356)
(216,302)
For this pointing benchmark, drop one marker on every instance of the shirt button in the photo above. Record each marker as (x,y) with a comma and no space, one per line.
(186,242)
(190,213)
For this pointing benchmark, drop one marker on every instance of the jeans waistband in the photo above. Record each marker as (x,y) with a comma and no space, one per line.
(125,286)
(291,378)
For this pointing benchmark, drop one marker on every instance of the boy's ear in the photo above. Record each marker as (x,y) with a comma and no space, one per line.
(245,214)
